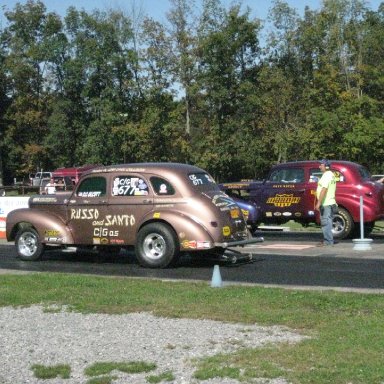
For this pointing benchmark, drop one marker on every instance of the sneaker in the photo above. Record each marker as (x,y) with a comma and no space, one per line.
(323,244)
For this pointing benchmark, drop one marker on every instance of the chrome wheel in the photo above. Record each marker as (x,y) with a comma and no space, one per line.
(154,246)
(342,224)
(157,246)
(28,245)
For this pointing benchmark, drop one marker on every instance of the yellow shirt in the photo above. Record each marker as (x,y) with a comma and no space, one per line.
(327,181)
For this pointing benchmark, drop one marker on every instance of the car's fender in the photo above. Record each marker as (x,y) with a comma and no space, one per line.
(51,230)
(352,204)
(191,234)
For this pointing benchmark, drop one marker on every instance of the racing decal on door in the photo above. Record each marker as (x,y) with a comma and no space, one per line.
(283,200)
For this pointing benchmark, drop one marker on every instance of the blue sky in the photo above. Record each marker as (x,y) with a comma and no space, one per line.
(158,8)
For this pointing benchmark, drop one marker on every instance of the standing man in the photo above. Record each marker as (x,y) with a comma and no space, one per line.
(50,188)
(325,200)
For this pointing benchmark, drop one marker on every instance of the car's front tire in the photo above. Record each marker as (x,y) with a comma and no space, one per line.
(157,246)
(28,245)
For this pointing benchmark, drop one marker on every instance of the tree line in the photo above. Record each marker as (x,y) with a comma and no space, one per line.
(217,88)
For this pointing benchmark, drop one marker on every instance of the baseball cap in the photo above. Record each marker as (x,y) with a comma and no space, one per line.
(325,162)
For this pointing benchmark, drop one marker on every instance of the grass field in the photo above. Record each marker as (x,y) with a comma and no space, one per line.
(346,329)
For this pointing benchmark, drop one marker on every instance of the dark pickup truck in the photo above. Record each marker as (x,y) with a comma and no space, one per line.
(288,193)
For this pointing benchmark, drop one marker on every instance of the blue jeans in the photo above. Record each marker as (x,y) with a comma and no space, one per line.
(326,220)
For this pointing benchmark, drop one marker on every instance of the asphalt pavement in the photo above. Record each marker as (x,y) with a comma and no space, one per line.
(304,243)
(284,259)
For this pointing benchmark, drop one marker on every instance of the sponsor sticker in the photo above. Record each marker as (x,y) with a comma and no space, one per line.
(117,241)
(245,213)
(226,231)
(189,244)
(51,233)
(53,239)
(235,214)
(203,244)
(283,200)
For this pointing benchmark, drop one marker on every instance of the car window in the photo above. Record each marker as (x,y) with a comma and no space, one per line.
(364,173)
(287,175)
(241,193)
(162,186)
(315,175)
(202,180)
(92,187)
(127,185)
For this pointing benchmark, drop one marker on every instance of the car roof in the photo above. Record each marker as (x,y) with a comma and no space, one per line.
(165,169)
(316,163)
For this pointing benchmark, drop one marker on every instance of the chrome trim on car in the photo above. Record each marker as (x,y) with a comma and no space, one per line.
(227,244)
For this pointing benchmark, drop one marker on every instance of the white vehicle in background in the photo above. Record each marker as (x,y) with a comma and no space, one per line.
(38,178)
(379,178)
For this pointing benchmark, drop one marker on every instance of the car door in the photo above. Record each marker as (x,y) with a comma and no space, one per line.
(283,194)
(87,209)
(130,199)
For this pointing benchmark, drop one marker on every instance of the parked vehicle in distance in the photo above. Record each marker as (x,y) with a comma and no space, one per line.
(163,209)
(379,178)
(250,210)
(74,172)
(38,181)
(61,184)
(37,178)
(22,187)
(288,193)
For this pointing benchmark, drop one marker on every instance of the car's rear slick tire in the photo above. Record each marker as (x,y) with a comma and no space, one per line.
(157,246)
(343,224)
(28,245)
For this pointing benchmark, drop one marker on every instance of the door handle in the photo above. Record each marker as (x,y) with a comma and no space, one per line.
(147,201)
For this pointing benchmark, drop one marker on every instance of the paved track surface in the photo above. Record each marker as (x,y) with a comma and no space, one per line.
(287,259)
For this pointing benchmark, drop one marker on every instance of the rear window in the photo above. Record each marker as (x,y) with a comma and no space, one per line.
(315,175)
(200,179)
(162,186)
(364,173)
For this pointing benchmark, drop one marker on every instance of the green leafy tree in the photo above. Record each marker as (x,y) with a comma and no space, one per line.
(227,57)
(184,58)
(28,34)
(4,99)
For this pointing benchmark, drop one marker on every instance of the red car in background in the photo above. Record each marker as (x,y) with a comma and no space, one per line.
(288,193)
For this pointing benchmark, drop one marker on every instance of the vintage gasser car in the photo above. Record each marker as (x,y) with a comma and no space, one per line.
(162,209)
(288,193)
